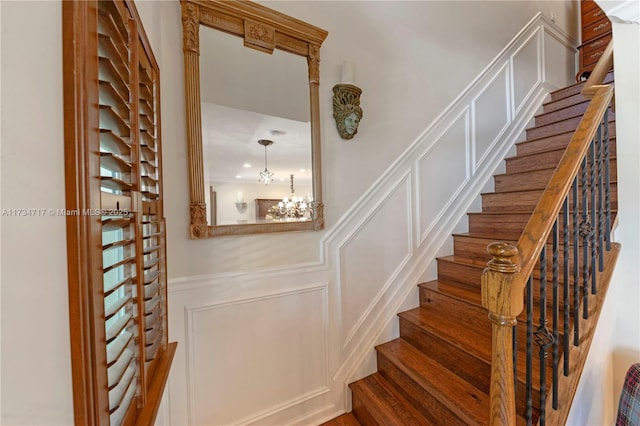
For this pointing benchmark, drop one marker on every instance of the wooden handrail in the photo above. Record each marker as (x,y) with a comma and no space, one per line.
(503,281)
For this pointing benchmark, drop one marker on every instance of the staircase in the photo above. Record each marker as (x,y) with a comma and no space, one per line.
(438,372)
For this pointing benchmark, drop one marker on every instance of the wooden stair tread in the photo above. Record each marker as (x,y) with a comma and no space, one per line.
(477,263)
(528,172)
(473,297)
(469,403)
(473,338)
(386,405)
(480,236)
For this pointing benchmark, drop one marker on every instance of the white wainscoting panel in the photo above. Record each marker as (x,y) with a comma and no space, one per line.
(438,186)
(491,115)
(372,256)
(526,67)
(558,66)
(239,350)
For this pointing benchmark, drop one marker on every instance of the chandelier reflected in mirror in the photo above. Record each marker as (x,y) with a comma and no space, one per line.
(292,208)
(265,177)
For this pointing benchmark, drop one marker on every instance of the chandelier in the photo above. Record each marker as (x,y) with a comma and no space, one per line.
(265,177)
(291,208)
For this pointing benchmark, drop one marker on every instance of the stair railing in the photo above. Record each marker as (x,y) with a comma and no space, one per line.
(580,187)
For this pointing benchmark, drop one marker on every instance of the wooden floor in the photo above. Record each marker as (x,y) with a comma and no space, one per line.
(344,420)
(438,371)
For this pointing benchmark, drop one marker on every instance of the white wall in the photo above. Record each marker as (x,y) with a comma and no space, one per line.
(36,367)
(616,343)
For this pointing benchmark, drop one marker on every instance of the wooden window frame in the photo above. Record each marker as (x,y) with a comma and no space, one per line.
(84,248)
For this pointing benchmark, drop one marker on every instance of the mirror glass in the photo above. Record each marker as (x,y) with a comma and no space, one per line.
(249,96)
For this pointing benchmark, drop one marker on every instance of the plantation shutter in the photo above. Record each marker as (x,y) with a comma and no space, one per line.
(153,226)
(117,184)
(129,300)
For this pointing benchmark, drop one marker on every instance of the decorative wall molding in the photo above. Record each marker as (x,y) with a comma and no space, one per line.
(190,350)
(352,331)
(404,183)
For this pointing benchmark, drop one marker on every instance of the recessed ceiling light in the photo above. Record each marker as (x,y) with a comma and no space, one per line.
(246,165)
(238,177)
(302,170)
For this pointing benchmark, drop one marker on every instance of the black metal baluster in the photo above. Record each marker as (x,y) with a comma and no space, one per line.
(607,185)
(600,202)
(556,331)
(576,267)
(584,233)
(565,277)
(593,228)
(543,336)
(529,375)
(542,332)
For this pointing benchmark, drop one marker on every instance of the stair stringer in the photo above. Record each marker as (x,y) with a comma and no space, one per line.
(352,357)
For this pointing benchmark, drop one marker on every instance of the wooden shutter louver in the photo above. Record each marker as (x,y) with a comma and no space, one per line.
(120,293)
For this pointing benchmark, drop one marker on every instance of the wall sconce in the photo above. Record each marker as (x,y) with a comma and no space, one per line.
(240,203)
(346,103)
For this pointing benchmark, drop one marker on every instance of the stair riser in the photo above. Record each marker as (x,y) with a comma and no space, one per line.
(359,408)
(568,125)
(471,247)
(467,366)
(464,274)
(422,400)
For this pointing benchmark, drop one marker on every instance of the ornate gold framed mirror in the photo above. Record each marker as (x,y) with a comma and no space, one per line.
(244,106)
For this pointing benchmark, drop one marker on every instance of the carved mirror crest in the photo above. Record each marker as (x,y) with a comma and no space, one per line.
(249,124)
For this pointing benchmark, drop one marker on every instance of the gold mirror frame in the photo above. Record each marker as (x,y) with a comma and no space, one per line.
(263,29)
